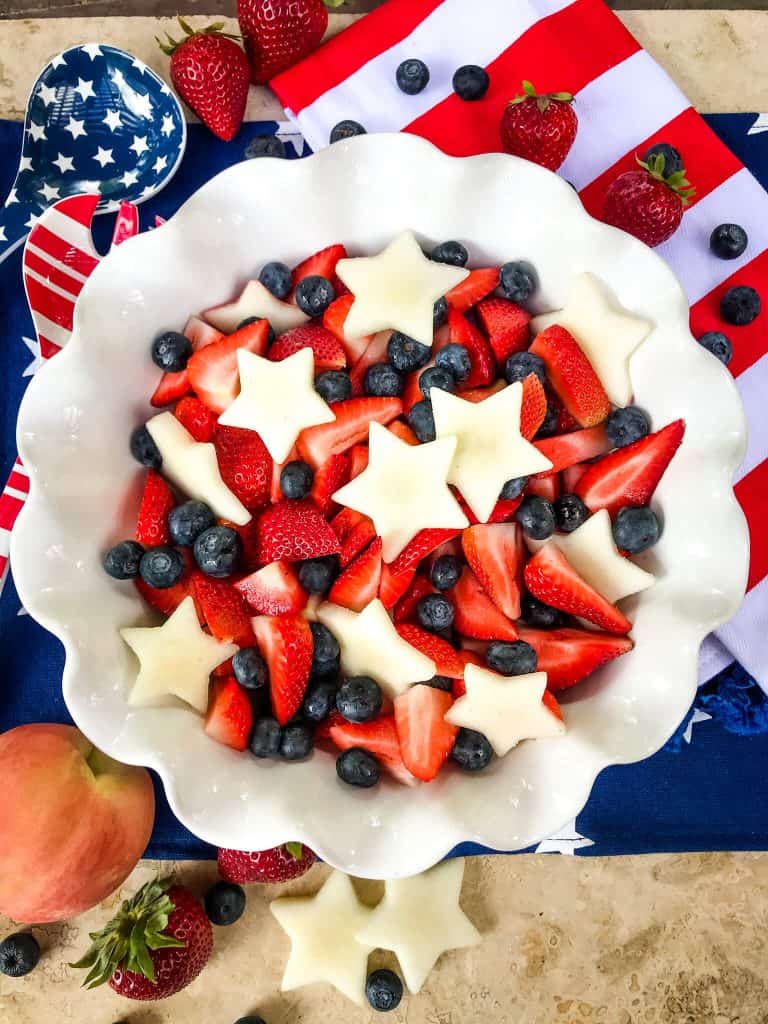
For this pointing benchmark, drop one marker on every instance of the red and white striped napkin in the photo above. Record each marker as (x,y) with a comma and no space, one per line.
(624,103)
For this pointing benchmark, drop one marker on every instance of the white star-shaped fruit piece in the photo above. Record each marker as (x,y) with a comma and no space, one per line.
(419,919)
(256,300)
(404,489)
(371,646)
(489,446)
(278,400)
(396,289)
(322,930)
(506,709)
(175,659)
(193,467)
(607,333)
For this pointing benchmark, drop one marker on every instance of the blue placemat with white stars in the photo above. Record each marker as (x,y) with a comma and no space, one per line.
(706,790)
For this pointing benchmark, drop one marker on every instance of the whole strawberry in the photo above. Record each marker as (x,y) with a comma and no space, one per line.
(280,864)
(158,943)
(280,33)
(210,72)
(645,203)
(539,128)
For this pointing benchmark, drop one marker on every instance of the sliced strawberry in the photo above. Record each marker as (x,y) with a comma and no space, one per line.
(534,406)
(200,333)
(568,449)
(492,551)
(506,325)
(327,350)
(168,600)
(156,502)
(294,530)
(445,657)
(392,586)
(426,739)
(358,584)
(354,531)
(171,387)
(550,577)
(245,465)
(423,544)
(374,352)
(571,375)
(572,475)
(379,738)
(405,609)
(323,729)
(570,655)
(229,718)
(545,486)
(476,614)
(462,332)
(358,458)
(286,643)
(333,321)
(629,476)
(249,538)
(322,263)
(550,703)
(273,590)
(473,288)
(412,391)
(353,418)
(213,370)
(196,418)
(328,479)
(504,509)
(223,609)
(476,395)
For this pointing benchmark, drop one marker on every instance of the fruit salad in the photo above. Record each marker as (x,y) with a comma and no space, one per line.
(389,514)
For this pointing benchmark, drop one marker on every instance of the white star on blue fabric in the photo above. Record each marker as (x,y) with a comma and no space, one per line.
(160,164)
(103,156)
(140,66)
(129,178)
(33,219)
(37,131)
(112,120)
(139,144)
(25,164)
(2,234)
(92,49)
(64,163)
(167,126)
(37,357)
(49,193)
(75,128)
(84,89)
(47,94)
(58,61)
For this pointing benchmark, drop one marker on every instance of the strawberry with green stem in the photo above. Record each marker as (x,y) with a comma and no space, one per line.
(280,33)
(539,127)
(647,204)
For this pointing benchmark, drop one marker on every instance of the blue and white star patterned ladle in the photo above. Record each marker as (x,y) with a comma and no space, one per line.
(98,120)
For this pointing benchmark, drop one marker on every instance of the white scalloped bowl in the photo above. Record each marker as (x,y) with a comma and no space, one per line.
(81,407)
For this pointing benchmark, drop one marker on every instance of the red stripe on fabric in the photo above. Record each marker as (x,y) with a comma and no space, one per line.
(80,208)
(18,481)
(751,342)
(48,348)
(347,52)
(62,250)
(55,307)
(9,510)
(708,162)
(546,52)
(752,495)
(50,273)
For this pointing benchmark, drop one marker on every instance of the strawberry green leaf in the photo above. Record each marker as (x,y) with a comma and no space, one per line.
(296,850)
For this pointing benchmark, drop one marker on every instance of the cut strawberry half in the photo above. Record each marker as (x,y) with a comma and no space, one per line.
(629,476)
(353,418)
(200,333)
(213,370)
(570,655)
(405,609)
(392,586)
(445,657)
(492,552)
(547,487)
(328,351)
(273,590)
(374,352)
(156,502)
(328,479)
(286,643)
(294,530)
(426,739)
(504,510)
(472,289)
(223,609)
(358,458)
(476,395)
(250,541)
(571,376)
(245,465)
(551,578)
(476,615)
(572,475)
(359,583)
(506,325)
(533,410)
(168,600)
(322,263)
(196,418)
(423,544)
(173,386)
(379,738)
(229,718)
(354,531)
(462,332)
(403,431)
(412,390)
(334,319)
(568,449)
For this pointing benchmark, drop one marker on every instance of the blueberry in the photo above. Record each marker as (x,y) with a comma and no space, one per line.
(511,659)
(518,280)
(421,421)
(316,575)
(440,683)
(513,488)
(673,162)
(412,76)
(445,572)
(265,741)
(144,449)
(224,903)
(265,145)
(470,82)
(314,294)
(171,351)
(452,253)
(357,767)
(296,479)
(250,668)
(541,616)
(406,354)
(333,386)
(471,750)
(252,1018)
(187,521)
(536,516)
(455,359)
(739,306)
(346,130)
(161,567)
(19,954)
(626,425)
(718,344)
(550,422)
(319,700)
(122,561)
(325,651)
(276,278)
(435,612)
(359,699)
(439,312)
(636,529)
(522,364)
(570,512)
(728,241)
(255,320)
(383,380)
(383,990)
(217,551)
(436,377)
(296,742)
